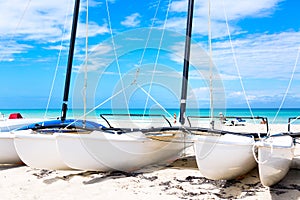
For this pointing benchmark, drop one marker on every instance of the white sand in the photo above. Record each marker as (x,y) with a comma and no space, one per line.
(181,180)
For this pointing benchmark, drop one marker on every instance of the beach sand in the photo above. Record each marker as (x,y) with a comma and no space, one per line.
(180,180)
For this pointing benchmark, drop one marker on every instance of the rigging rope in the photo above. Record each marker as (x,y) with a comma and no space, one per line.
(116,94)
(138,69)
(235,61)
(115,54)
(210,68)
(17,26)
(157,56)
(148,37)
(153,99)
(86,59)
(13,35)
(58,60)
(292,121)
(140,63)
(288,87)
(99,105)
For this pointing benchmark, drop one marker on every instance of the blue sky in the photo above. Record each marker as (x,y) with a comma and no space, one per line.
(258,67)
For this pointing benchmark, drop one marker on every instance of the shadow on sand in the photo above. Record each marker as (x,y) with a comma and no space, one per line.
(193,185)
(10,166)
(288,188)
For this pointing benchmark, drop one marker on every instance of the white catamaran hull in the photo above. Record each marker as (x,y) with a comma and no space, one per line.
(104,151)
(80,157)
(224,157)
(8,154)
(38,150)
(296,159)
(275,155)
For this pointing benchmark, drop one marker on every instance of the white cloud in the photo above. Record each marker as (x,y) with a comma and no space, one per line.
(56,47)
(41,22)
(265,62)
(267,56)
(236,94)
(261,53)
(99,58)
(197,94)
(264,96)
(93,29)
(33,17)
(234,11)
(228,77)
(132,20)
(7,51)
(270,56)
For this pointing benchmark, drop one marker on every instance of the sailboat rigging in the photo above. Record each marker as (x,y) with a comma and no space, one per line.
(277,151)
(70,144)
(87,145)
(222,154)
(96,147)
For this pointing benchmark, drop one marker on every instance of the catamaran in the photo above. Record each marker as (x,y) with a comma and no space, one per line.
(275,155)
(86,145)
(219,154)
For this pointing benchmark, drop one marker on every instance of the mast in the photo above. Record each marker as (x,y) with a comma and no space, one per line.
(186,61)
(70,60)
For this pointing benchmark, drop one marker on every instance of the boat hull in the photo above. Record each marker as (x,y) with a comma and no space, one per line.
(8,154)
(79,157)
(275,155)
(38,150)
(224,157)
(128,152)
(296,159)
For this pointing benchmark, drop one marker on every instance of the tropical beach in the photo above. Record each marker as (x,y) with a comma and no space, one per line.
(159,100)
(179,180)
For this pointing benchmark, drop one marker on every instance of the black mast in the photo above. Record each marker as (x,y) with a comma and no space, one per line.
(186,61)
(70,60)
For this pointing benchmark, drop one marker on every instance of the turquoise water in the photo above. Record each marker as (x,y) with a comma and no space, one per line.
(270,113)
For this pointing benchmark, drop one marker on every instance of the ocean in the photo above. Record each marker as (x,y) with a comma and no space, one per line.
(274,117)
